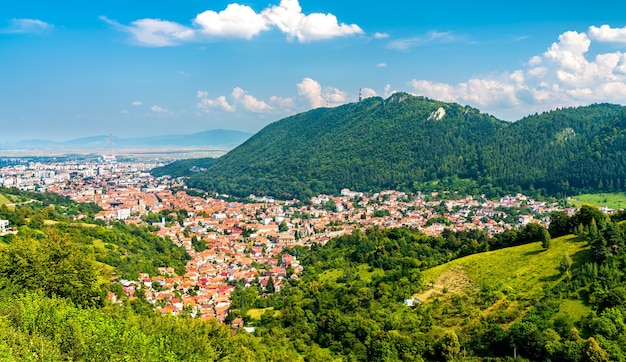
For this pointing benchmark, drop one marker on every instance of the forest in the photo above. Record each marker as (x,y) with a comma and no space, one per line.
(398,143)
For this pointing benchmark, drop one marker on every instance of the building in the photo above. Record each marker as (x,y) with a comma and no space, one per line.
(4,225)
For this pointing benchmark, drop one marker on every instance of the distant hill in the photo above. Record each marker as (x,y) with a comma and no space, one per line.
(415,143)
(211,138)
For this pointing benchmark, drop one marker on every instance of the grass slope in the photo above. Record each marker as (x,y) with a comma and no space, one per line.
(615,200)
(4,200)
(516,273)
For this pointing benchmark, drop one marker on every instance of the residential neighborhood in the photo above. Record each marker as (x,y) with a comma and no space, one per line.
(244,241)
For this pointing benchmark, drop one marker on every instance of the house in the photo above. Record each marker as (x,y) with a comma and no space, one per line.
(237,322)
(4,225)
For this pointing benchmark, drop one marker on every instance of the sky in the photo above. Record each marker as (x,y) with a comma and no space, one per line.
(73,68)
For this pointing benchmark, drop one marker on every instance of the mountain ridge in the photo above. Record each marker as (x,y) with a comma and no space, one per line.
(215,137)
(414,143)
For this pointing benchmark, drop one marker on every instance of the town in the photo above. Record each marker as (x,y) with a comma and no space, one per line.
(243,241)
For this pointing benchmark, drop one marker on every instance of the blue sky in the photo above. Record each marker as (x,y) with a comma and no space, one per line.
(72,68)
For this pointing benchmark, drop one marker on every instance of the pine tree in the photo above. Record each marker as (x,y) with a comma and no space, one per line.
(545,238)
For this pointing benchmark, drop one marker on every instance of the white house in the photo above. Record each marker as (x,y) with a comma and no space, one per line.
(4,225)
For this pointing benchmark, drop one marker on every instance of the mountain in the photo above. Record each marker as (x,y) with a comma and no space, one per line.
(211,138)
(414,143)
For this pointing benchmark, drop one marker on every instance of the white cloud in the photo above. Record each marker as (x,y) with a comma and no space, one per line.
(367,93)
(239,21)
(236,21)
(24,26)
(312,91)
(249,102)
(564,75)
(240,98)
(218,103)
(318,97)
(381,65)
(387,91)
(286,104)
(381,35)
(431,37)
(288,17)
(137,103)
(605,33)
(158,109)
(124,111)
(155,32)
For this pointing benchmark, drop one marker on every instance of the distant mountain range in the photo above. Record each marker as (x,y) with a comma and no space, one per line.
(414,143)
(211,138)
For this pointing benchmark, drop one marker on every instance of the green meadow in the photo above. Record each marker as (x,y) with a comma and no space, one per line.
(615,200)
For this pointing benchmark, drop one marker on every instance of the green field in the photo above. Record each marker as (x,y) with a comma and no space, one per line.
(256,313)
(611,200)
(4,200)
(364,271)
(517,273)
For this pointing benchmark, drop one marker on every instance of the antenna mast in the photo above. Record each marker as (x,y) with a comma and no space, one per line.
(360,95)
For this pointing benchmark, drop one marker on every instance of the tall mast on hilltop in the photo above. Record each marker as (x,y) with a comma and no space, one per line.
(360,94)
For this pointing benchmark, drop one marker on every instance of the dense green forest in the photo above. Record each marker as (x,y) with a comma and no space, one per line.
(401,143)
(350,300)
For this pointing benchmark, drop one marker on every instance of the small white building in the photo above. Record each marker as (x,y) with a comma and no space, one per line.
(4,225)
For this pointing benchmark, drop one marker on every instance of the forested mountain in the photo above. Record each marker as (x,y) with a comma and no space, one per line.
(415,143)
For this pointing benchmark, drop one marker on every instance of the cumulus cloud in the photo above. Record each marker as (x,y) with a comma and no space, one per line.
(318,96)
(24,26)
(236,21)
(312,91)
(367,93)
(286,104)
(431,37)
(137,103)
(158,109)
(242,22)
(249,102)
(155,32)
(219,103)
(289,19)
(240,98)
(564,75)
(381,35)
(605,33)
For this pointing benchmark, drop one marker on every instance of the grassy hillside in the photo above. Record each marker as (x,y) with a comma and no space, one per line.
(518,270)
(509,278)
(614,201)
(4,200)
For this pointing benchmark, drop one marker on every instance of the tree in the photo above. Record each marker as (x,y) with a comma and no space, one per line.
(559,224)
(594,352)
(450,346)
(269,287)
(566,263)
(545,239)
(53,265)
